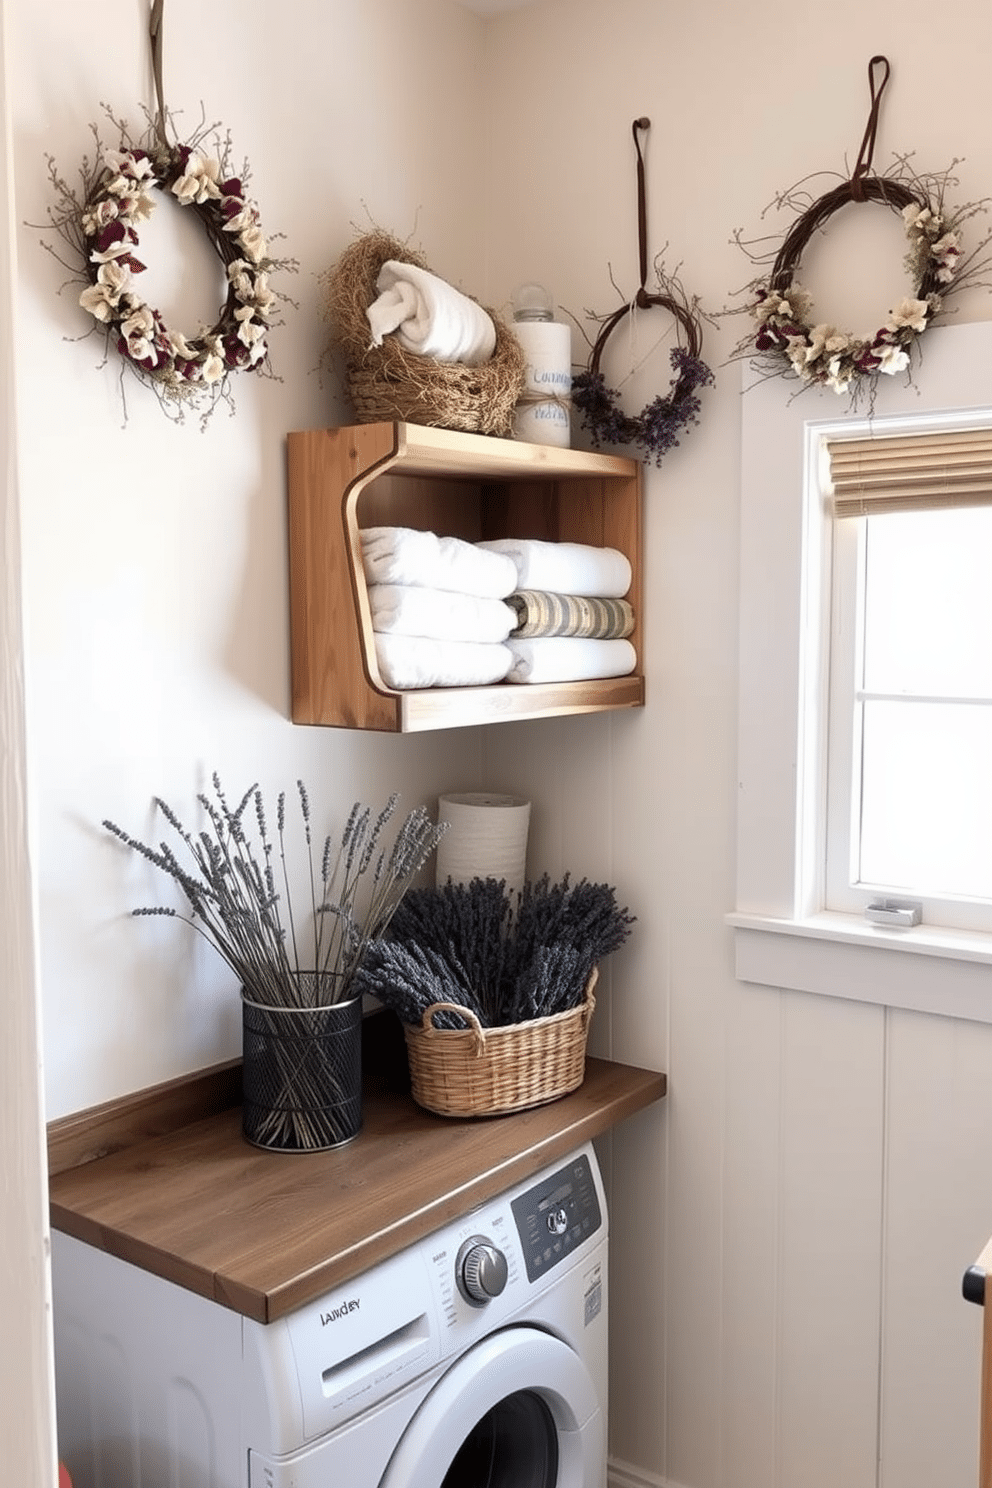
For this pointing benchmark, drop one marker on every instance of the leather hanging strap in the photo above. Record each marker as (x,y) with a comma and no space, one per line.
(155,33)
(863,166)
(643,300)
(642,297)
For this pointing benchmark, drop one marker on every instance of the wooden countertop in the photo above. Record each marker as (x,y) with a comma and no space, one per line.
(263,1233)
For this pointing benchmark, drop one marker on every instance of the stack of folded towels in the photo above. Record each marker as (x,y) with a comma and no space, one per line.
(572,621)
(438,608)
(449,613)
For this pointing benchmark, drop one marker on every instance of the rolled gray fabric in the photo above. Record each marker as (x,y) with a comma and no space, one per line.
(541,613)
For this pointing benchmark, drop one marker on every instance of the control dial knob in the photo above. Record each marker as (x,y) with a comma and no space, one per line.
(480,1270)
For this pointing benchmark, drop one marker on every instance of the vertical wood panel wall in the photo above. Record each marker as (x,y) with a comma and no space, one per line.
(814,1262)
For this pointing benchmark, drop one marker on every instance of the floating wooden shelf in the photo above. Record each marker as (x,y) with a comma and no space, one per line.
(458,485)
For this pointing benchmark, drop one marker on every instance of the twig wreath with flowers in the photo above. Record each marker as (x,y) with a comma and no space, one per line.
(658,426)
(787,341)
(101,227)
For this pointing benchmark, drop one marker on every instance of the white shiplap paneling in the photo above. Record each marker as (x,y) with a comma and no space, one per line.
(830,1179)
(938,1201)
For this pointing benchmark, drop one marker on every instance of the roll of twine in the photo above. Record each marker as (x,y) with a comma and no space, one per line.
(527,400)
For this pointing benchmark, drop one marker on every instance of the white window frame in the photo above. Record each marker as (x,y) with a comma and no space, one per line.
(783,937)
(842,890)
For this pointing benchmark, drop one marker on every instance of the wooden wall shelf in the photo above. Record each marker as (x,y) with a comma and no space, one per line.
(458,485)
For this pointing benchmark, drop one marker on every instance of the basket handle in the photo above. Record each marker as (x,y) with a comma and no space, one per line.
(589,1004)
(475,1027)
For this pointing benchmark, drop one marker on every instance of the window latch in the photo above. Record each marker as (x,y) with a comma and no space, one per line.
(895,914)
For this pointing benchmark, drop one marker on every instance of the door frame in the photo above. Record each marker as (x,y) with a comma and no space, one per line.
(27,1377)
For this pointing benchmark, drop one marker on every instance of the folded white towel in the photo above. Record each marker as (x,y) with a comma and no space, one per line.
(412,661)
(429,316)
(569,659)
(565,567)
(440,615)
(403,555)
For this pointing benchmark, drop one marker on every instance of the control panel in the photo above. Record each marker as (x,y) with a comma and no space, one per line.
(556,1216)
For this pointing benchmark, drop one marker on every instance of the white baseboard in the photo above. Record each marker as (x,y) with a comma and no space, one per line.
(626,1475)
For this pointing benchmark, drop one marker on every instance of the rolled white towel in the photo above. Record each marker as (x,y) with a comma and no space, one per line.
(569,659)
(565,567)
(429,316)
(403,555)
(439,614)
(413,661)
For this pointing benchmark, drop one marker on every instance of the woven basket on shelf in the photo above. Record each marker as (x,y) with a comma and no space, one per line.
(480,1071)
(388,382)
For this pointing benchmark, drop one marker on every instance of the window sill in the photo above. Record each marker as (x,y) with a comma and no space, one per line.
(923,969)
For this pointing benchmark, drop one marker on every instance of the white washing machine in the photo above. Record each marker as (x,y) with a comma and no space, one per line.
(474,1359)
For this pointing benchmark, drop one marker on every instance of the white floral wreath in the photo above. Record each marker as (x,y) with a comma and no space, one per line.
(100,224)
(819,353)
(119,202)
(787,343)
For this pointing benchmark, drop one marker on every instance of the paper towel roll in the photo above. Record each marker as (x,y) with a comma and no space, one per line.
(542,415)
(486,838)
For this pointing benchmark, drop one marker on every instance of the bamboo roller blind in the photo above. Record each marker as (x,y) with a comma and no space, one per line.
(911,472)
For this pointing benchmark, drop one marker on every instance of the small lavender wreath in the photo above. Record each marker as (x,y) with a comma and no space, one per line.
(659,425)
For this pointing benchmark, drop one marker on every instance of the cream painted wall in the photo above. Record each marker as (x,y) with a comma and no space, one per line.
(155,554)
(154,557)
(789,1231)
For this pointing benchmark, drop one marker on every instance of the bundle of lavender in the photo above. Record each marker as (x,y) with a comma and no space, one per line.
(469,944)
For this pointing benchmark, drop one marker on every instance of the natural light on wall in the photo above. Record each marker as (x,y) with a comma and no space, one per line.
(865,726)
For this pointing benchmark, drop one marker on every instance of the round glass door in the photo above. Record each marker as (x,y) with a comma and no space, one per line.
(514,1445)
(519,1410)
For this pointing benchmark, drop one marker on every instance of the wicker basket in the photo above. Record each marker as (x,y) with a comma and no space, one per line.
(388,382)
(480,1071)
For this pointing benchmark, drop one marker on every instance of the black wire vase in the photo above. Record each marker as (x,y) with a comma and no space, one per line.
(302,1075)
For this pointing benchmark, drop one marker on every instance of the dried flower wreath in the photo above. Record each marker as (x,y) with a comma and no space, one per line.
(658,426)
(789,342)
(101,227)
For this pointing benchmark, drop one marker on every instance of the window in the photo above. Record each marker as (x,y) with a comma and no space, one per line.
(909,790)
(821,800)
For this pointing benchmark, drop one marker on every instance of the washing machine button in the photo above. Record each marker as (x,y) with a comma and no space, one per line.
(557,1220)
(480,1270)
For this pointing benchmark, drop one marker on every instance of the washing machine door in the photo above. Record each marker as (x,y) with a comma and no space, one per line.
(519,1410)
